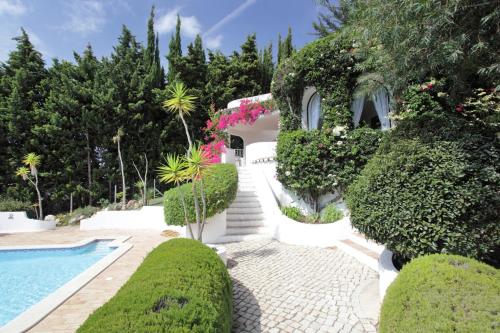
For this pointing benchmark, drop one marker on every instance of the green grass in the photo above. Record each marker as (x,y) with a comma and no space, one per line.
(182,286)
(443,293)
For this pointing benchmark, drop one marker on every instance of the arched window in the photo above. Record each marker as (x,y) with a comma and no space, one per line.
(314,112)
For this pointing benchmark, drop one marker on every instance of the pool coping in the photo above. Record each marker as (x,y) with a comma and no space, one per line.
(34,314)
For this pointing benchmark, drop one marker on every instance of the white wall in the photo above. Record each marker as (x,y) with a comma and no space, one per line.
(148,217)
(259,150)
(215,227)
(14,222)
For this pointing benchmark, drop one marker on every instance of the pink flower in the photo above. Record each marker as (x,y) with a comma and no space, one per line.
(459,108)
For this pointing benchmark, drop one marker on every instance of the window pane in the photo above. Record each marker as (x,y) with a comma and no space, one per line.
(314,112)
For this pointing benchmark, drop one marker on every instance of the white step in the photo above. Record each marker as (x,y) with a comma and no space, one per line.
(244,224)
(245,230)
(245,217)
(244,204)
(359,239)
(244,210)
(362,254)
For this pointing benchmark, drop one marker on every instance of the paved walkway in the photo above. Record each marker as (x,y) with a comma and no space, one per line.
(72,313)
(287,288)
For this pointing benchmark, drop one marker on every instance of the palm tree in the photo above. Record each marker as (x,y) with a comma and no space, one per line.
(31,162)
(175,172)
(117,139)
(198,165)
(180,103)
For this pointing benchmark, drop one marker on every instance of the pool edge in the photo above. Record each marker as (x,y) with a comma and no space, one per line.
(36,313)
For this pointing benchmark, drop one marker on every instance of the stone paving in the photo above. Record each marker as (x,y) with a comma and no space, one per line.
(288,288)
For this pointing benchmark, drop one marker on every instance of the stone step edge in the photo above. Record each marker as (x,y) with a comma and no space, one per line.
(361,253)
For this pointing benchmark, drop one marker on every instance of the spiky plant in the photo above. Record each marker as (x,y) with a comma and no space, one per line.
(181,104)
(29,172)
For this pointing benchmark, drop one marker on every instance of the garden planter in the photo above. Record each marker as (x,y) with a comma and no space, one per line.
(387,272)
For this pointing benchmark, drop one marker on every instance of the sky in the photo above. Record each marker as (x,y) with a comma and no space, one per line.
(57,28)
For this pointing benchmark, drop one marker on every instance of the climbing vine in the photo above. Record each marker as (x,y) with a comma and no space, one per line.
(328,65)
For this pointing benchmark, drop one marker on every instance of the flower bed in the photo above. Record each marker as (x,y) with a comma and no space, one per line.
(182,286)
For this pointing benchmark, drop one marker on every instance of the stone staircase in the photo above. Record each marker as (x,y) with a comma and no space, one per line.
(245,217)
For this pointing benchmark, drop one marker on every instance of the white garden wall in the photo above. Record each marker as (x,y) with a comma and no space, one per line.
(14,222)
(215,227)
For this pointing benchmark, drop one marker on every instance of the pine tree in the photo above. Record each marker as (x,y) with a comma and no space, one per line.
(245,74)
(217,89)
(174,53)
(152,64)
(280,50)
(288,45)
(337,13)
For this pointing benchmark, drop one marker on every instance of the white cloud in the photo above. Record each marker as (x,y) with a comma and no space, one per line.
(213,42)
(85,16)
(190,26)
(12,7)
(229,17)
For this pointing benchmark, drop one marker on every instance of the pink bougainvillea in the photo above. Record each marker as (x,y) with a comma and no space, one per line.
(247,114)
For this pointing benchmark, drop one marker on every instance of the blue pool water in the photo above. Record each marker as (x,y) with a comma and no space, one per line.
(28,276)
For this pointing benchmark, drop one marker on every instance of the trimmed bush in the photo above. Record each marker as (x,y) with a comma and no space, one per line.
(443,293)
(182,286)
(432,187)
(331,214)
(221,185)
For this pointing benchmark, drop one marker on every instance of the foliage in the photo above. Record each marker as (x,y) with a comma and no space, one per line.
(483,106)
(336,15)
(326,64)
(86,212)
(442,293)
(285,47)
(331,214)
(410,40)
(70,110)
(293,212)
(12,205)
(181,286)
(312,163)
(432,187)
(220,184)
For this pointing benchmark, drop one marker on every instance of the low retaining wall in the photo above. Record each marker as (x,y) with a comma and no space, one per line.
(14,222)
(387,273)
(293,232)
(148,217)
(215,227)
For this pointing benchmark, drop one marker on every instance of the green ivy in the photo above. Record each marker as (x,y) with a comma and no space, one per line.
(328,64)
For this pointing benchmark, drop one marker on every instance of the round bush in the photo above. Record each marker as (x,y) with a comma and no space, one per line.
(182,286)
(443,293)
(432,187)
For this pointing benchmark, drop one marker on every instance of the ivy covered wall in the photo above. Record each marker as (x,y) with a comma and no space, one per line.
(327,64)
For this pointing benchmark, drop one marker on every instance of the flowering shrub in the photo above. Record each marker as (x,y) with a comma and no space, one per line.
(247,114)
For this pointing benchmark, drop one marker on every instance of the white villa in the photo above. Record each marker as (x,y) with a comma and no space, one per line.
(259,139)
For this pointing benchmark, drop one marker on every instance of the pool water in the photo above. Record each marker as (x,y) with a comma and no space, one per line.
(28,276)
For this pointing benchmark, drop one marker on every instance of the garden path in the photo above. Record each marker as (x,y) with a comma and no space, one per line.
(288,288)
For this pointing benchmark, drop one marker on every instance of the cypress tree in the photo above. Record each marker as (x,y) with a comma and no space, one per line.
(217,89)
(245,74)
(266,67)
(174,53)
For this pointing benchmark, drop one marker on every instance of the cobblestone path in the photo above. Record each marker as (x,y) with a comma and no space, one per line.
(288,288)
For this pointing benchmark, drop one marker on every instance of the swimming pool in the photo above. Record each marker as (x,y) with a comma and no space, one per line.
(28,276)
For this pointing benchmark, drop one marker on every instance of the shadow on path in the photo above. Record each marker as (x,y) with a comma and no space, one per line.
(246,310)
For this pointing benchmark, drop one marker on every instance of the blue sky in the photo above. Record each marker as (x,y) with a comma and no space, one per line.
(59,27)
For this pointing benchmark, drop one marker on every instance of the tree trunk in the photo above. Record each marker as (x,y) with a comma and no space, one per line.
(40,209)
(197,210)
(187,131)
(89,169)
(124,200)
(204,205)
(186,221)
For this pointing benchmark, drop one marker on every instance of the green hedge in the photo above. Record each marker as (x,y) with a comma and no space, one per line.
(182,286)
(13,205)
(432,187)
(443,293)
(221,185)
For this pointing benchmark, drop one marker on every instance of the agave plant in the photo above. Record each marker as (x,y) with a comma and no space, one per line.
(180,103)
(29,172)
(174,171)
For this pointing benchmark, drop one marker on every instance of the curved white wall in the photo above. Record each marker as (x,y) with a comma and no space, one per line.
(258,150)
(14,222)
(387,273)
